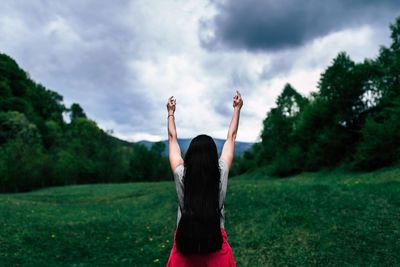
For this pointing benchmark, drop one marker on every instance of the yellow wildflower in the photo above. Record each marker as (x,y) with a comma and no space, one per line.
(163,246)
(150,238)
(167,241)
(156,260)
(52,236)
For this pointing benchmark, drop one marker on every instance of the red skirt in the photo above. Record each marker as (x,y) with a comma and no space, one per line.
(220,258)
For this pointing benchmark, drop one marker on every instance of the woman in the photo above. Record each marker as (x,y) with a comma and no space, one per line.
(201,183)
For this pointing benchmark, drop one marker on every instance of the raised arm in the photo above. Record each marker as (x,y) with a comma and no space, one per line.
(175,158)
(229,146)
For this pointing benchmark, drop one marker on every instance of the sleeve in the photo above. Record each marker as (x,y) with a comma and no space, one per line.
(178,174)
(224,180)
(178,177)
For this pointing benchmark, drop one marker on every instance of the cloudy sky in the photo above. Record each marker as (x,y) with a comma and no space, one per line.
(121,60)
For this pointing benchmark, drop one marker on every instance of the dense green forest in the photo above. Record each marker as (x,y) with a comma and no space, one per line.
(353,120)
(38,148)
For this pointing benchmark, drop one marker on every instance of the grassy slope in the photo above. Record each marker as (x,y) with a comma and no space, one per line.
(329,219)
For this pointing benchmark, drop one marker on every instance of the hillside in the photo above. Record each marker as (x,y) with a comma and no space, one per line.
(38,148)
(325,219)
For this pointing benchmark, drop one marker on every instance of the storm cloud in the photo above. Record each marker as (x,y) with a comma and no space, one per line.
(121,60)
(277,25)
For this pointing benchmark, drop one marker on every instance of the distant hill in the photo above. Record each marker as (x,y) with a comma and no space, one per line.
(240,147)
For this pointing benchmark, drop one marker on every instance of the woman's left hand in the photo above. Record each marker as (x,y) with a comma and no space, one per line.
(171,105)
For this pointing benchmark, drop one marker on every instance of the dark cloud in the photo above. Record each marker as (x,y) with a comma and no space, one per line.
(122,59)
(275,25)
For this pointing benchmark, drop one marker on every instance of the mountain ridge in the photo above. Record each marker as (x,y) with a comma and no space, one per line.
(240,147)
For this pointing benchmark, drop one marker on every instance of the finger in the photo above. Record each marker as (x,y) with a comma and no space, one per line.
(237,92)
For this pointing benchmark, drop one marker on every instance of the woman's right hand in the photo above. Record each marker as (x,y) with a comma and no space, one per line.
(237,101)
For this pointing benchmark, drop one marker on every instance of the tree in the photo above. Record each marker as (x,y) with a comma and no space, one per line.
(23,162)
(158,148)
(380,144)
(279,126)
(76,111)
(15,125)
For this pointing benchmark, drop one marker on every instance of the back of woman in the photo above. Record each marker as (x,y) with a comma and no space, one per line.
(201,184)
(200,212)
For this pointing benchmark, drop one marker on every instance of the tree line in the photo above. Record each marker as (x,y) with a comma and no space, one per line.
(39,148)
(353,120)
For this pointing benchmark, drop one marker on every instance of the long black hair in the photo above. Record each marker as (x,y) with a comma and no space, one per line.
(199,227)
(202,177)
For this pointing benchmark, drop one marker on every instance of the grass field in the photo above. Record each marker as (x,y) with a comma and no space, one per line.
(327,219)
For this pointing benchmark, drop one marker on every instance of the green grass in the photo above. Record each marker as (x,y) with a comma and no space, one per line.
(326,218)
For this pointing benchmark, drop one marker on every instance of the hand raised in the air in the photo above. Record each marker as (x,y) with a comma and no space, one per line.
(237,101)
(171,105)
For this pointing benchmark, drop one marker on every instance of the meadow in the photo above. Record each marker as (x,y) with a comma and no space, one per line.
(334,218)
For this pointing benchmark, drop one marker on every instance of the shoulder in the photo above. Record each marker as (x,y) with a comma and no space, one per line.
(178,168)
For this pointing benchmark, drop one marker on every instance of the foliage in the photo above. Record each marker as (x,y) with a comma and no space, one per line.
(249,161)
(380,144)
(149,165)
(353,119)
(76,112)
(38,148)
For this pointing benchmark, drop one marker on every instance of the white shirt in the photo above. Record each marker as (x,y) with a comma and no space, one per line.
(178,177)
